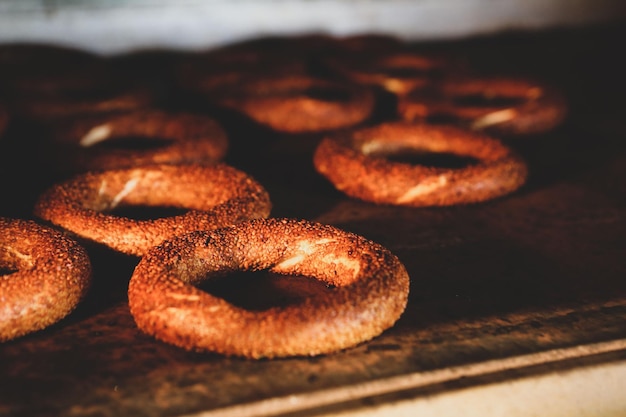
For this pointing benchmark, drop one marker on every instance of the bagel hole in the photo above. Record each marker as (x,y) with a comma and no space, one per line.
(262,290)
(327,94)
(486,100)
(429,159)
(133,143)
(144,212)
(6,270)
(442,119)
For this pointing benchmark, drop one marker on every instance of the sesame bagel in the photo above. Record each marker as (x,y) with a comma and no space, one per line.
(48,275)
(214,196)
(397,72)
(101,142)
(296,104)
(369,289)
(357,164)
(498,105)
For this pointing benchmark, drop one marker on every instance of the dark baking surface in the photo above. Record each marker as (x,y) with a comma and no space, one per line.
(540,269)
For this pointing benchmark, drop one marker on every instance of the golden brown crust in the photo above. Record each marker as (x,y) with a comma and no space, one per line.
(215,196)
(297,104)
(354,162)
(170,138)
(511,106)
(209,71)
(51,276)
(370,290)
(397,72)
(47,108)
(55,83)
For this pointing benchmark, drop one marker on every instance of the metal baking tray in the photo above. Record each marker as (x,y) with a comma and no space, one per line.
(521,288)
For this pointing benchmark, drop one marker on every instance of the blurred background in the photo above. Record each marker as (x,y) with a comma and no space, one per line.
(117,26)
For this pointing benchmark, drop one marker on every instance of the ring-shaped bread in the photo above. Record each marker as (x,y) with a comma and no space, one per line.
(357,163)
(48,275)
(47,108)
(498,105)
(397,72)
(215,196)
(232,65)
(369,289)
(100,142)
(298,103)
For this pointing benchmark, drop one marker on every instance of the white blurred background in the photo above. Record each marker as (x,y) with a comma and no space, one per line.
(116,26)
